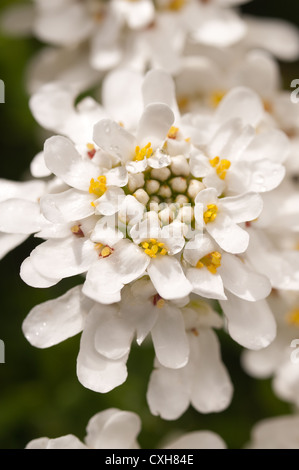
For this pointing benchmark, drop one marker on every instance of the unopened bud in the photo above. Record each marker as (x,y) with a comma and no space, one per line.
(194,188)
(179,165)
(161,174)
(165,191)
(135,181)
(178,184)
(141,196)
(181,199)
(152,186)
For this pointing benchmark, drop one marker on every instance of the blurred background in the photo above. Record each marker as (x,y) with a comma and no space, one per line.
(39,391)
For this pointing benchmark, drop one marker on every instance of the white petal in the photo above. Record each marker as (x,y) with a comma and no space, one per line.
(250,324)
(67,206)
(117,176)
(205,283)
(158,87)
(107,276)
(167,275)
(110,202)
(114,139)
(273,145)
(155,122)
(211,389)
(169,337)
(55,320)
(28,190)
(64,26)
(94,370)
(198,440)
(33,278)
(242,208)
(106,232)
(64,161)
(63,258)
(19,216)
(242,281)
(241,103)
(229,236)
(9,241)
(121,96)
(168,393)
(113,338)
(38,167)
(113,429)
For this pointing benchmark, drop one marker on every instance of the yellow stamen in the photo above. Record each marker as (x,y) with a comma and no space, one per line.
(104,250)
(76,230)
(216,97)
(90,146)
(211,213)
(172,133)
(176,5)
(221,166)
(153,248)
(98,187)
(160,303)
(146,151)
(212,261)
(292,317)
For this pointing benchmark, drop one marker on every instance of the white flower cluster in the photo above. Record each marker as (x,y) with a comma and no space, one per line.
(173,194)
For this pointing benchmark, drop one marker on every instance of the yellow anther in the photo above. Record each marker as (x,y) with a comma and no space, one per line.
(212,261)
(160,303)
(106,251)
(98,187)
(292,317)
(76,230)
(211,213)
(214,162)
(176,5)
(216,97)
(153,248)
(146,151)
(90,146)
(221,166)
(172,133)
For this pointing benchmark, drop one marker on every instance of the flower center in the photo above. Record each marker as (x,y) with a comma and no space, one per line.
(99,186)
(146,151)
(76,230)
(91,151)
(212,261)
(211,213)
(153,247)
(158,301)
(104,250)
(221,166)
(292,317)
(172,133)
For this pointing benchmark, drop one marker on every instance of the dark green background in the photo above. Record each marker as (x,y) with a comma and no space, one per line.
(39,392)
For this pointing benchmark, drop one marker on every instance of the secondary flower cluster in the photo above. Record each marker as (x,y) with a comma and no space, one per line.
(174,198)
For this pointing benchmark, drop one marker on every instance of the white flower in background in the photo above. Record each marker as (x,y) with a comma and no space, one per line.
(280,359)
(279,432)
(117,429)
(235,157)
(203,381)
(19,212)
